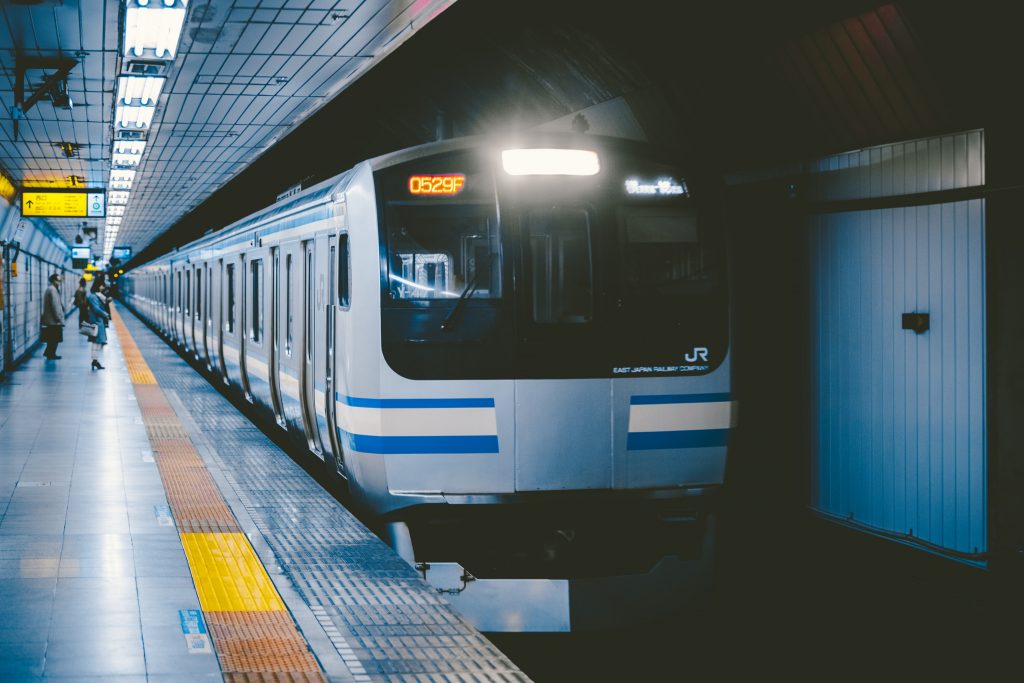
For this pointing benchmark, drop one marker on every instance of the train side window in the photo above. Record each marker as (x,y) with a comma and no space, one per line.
(256,324)
(559,261)
(288,304)
(231,298)
(199,295)
(344,283)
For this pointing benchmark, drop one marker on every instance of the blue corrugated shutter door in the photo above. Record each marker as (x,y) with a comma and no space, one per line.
(898,418)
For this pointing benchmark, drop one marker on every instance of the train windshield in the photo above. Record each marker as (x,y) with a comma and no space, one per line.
(492,276)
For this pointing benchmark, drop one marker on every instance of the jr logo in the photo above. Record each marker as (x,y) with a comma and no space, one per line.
(699,353)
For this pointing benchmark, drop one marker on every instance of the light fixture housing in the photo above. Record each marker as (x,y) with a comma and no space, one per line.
(133,116)
(128,152)
(116,210)
(144,90)
(117,197)
(546,161)
(121,179)
(153,30)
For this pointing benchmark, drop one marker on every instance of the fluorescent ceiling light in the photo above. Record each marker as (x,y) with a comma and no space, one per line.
(128,152)
(131,116)
(153,30)
(143,89)
(550,162)
(121,159)
(114,220)
(121,179)
(117,197)
(130,146)
(116,210)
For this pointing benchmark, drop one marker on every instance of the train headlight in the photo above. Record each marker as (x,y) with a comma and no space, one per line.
(550,162)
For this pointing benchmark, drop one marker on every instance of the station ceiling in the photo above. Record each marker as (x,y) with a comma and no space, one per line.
(245,73)
(726,86)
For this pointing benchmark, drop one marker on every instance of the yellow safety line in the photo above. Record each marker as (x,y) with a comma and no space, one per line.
(228,575)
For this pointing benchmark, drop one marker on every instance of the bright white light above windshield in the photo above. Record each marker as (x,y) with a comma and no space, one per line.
(550,162)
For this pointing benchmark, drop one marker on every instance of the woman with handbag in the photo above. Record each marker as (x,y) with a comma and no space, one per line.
(99,317)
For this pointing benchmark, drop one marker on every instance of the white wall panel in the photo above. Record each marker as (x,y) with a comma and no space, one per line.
(949,162)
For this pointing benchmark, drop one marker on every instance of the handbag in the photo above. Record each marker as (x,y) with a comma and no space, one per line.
(87,329)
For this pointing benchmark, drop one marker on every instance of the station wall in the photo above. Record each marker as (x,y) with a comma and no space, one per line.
(25,272)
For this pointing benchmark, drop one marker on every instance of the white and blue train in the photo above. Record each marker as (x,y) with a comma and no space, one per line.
(535,334)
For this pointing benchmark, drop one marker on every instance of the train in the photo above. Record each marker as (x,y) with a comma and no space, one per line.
(513,353)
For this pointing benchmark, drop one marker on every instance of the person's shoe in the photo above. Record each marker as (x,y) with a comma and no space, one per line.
(48,357)
(56,357)
(96,365)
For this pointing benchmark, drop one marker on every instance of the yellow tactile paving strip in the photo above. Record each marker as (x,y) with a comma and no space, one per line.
(252,632)
(229,576)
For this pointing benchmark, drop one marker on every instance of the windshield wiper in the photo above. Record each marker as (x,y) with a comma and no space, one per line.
(446,324)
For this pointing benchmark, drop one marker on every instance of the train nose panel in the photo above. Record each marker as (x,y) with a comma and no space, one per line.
(563,434)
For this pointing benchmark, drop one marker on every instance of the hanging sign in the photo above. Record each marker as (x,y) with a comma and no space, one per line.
(64,204)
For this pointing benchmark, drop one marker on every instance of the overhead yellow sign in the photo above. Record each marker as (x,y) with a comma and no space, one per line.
(63,204)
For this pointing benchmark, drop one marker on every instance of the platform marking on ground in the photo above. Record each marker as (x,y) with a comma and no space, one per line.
(252,632)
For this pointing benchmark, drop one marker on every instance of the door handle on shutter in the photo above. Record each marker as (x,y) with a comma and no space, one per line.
(918,322)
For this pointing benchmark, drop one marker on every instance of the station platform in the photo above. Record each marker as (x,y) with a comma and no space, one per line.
(150,532)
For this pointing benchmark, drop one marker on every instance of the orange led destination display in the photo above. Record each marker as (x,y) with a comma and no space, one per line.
(447,184)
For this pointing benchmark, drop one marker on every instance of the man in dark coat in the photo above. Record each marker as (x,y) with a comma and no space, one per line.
(52,320)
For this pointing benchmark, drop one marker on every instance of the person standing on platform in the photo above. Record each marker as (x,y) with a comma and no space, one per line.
(98,314)
(81,301)
(52,320)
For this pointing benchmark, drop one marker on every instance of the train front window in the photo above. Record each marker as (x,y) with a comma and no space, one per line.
(561,275)
(442,252)
(662,254)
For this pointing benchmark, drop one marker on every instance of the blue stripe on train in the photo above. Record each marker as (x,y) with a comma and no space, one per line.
(690,438)
(421,444)
(678,398)
(415,402)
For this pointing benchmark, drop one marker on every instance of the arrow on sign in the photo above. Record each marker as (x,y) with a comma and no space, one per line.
(29,203)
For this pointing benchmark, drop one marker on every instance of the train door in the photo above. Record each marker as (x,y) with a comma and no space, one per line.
(197,304)
(186,317)
(337,320)
(307,374)
(274,369)
(206,313)
(330,367)
(243,296)
(218,321)
(324,296)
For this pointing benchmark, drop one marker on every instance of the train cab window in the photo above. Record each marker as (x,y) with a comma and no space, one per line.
(230,322)
(561,275)
(344,297)
(443,252)
(662,254)
(256,321)
(199,295)
(288,304)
